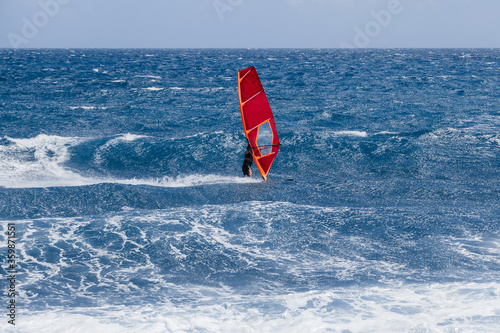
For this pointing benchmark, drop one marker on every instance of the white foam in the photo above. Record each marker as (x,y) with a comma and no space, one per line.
(82,107)
(38,161)
(361,134)
(391,306)
(149,76)
(127,137)
(185,181)
(387,133)
(153,88)
(468,307)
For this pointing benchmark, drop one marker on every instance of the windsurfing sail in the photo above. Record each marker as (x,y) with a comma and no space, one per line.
(258,120)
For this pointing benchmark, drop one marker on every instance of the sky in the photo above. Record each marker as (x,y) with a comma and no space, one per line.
(249,23)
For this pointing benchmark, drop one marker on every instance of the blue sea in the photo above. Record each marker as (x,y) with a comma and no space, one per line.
(120,170)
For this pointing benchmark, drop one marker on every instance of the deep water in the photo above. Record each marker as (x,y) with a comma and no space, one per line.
(121,170)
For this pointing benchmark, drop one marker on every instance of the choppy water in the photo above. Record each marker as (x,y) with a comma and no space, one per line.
(121,170)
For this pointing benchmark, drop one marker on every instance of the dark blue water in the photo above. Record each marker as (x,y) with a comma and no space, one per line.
(121,170)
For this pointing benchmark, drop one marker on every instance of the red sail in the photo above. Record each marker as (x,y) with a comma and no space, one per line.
(258,120)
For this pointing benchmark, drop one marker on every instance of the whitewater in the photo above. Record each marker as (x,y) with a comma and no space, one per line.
(121,172)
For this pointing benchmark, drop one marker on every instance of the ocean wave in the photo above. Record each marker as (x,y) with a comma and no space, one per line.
(41,161)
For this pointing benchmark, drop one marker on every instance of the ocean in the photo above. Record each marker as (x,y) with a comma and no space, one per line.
(123,207)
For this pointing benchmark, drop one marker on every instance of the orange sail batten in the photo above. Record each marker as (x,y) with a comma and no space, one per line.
(258,120)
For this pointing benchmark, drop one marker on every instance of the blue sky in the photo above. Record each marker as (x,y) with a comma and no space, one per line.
(249,23)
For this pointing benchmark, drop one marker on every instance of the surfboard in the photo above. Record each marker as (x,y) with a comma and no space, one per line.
(258,120)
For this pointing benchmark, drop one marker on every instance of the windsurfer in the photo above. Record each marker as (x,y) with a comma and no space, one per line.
(247,163)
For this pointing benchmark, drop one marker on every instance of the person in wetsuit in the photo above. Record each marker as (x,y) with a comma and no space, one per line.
(247,163)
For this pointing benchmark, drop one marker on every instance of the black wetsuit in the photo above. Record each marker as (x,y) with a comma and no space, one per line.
(247,163)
